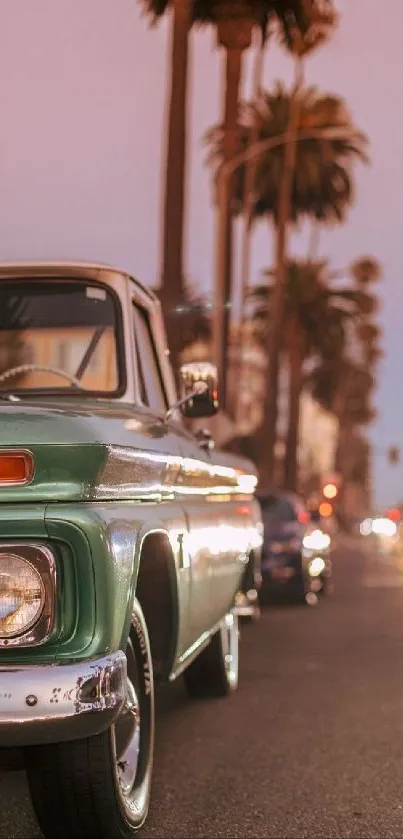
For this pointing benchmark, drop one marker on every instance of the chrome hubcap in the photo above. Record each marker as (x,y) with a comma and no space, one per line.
(230,641)
(127,732)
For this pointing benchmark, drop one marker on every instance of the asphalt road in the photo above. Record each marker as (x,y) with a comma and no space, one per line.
(312,743)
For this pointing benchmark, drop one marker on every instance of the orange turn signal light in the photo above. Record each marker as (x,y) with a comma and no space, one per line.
(16,467)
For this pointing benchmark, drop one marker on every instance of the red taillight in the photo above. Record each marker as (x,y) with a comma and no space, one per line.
(16,467)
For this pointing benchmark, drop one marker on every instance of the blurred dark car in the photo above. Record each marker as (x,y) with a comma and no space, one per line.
(296,562)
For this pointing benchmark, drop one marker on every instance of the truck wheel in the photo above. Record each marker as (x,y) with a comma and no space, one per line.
(99,787)
(215,671)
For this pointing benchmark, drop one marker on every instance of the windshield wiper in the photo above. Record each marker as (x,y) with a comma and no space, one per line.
(90,351)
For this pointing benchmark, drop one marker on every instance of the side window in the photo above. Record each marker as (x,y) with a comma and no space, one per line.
(151,383)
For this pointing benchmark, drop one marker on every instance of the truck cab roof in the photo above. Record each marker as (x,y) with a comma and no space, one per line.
(78,270)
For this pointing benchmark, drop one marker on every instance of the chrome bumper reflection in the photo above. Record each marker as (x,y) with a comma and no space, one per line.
(49,703)
(247,605)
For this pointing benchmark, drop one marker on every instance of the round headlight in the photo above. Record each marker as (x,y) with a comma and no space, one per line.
(22,595)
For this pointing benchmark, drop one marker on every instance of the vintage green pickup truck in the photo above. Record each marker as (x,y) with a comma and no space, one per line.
(125,540)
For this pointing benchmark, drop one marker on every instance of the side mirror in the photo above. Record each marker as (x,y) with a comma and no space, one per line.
(198,382)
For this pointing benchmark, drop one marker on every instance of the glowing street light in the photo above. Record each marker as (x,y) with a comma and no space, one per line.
(325,510)
(330,491)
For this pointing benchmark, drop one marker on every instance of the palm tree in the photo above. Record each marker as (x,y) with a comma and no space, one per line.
(345,383)
(250,168)
(321,21)
(194,317)
(300,46)
(322,186)
(314,324)
(342,386)
(345,388)
(323,177)
(171,290)
(234,22)
(366,270)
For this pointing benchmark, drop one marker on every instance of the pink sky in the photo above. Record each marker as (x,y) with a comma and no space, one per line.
(82,99)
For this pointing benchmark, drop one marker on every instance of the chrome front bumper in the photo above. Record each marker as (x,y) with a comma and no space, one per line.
(54,702)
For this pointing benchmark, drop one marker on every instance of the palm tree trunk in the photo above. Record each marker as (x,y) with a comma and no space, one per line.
(233,78)
(314,242)
(250,172)
(295,359)
(340,411)
(343,462)
(341,459)
(248,203)
(172,289)
(235,38)
(275,334)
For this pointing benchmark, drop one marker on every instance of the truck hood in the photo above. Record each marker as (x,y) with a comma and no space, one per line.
(70,440)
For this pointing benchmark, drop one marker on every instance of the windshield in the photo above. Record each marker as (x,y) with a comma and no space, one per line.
(57,335)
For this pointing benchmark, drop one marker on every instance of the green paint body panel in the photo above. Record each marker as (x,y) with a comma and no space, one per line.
(97,542)
(75,596)
(95,588)
(68,439)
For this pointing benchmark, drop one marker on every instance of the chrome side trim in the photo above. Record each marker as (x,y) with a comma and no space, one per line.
(130,472)
(49,703)
(193,651)
(43,560)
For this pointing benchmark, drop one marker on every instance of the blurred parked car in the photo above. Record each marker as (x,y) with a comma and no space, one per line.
(296,551)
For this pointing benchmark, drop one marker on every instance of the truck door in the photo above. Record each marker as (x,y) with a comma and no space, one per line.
(192,578)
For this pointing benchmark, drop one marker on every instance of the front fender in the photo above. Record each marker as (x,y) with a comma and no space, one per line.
(115,533)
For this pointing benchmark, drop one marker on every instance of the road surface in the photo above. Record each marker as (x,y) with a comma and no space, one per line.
(312,743)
